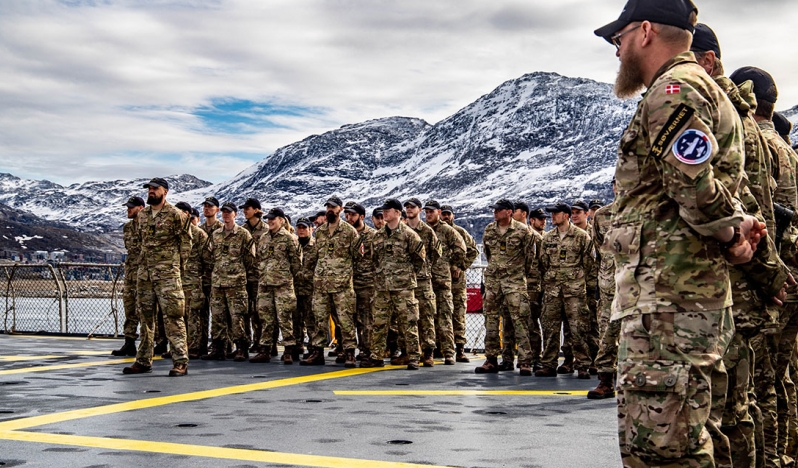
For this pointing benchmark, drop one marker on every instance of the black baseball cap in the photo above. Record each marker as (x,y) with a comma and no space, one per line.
(432,205)
(764,86)
(333,201)
(671,12)
(352,207)
(559,207)
(704,40)
(404,214)
(376,212)
(183,206)
(579,204)
(157,182)
(303,221)
(392,203)
(320,213)
(783,126)
(538,213)
(503,204)
(596,203)
(251,203)
(447,209)
(211,201)
(415,202)
(133,202)
(275,213)
(230,206)
(194,213)
(519,205)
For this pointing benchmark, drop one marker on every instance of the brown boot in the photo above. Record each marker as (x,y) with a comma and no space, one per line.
(216,353)
(566,368)
(400,360)
(526,369)
(583,374)
(605,388)
(242,353)
(288,356)
(340,358)
(316,358)
(461,356)
(137,368)
(367,363)
(506,365)
(412,365)
(349,359)
(263,357)
(179,370)
(449,361)
(546,372)
(426,359)
(193,354)
(490,366)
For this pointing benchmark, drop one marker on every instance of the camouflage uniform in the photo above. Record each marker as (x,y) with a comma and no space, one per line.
(363,281)
(453,255)
(607,357)
(198,261)
(165,241)
(511,258)
(304,321)
(253,326)
(459,288)
(133,247)
(533,290)
(424,293)
(205,313)
(233,253)
(564,263)
(673,289)
(336,253)
(280,258)
(399,258)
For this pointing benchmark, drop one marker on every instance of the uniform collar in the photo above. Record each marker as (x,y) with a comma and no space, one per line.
(684,57)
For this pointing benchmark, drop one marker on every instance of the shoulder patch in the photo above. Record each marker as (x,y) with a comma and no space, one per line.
(692,147)
(675,123)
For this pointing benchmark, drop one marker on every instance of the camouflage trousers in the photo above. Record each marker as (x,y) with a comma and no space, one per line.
(304,322)
(792,428)
(194,302)
(426,314)
(764,349)
(737,423)
(785,387)
(535,338)
(517,305)
(403,307)
(665,364)
(342,303)
(131,324)
(252,324)
(280,302)
(607,357)
(571,315)
(168,294)
(594,334)
(459,306)
(228,308)
(444,327)
(364,297)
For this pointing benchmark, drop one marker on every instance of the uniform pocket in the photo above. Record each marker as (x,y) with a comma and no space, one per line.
(627,171)
(656,418)
(624,242)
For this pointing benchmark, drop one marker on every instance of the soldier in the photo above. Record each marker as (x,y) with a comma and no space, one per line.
(537,219)
(673,224)
(304,322)
(579,213)
(376,218)
(280,259)
(165,241)
(320,218)
(337,247)
(210,208)
(233,254)
(256,227)
(459,286)
(425,295)
(783,127)
(191,277)
(133,247)
(510,251)
(399,259)
(565,259)
(450,266)
(363,276)
(593,206)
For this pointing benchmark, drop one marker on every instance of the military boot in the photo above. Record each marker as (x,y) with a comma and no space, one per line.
(264,356)
(288,355)
(546,372)
(566,368)
(274,350)
(506,365)
(316,358)
(216,353)
(336,352)
(412,365)
(340,358)
(137,368)
(461,356)
(400,360)
(605,388)
(490,366)
(127,349)
(349,357)
(242,352)
(367,363)
(526,369)
(427,360)
(297,352)
(179,370)
(193,354)
(583,374)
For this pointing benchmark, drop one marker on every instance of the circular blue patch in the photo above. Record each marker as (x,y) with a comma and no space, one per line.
(692,147)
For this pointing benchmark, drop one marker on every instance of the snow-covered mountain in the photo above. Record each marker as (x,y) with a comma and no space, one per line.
(541,138)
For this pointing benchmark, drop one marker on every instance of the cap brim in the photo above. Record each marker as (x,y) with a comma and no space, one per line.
(350,210)
(229,209)
(129,205)
(607,31)
(429,207)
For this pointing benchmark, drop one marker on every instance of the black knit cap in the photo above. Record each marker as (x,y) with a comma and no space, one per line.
(764,86)
(783,126)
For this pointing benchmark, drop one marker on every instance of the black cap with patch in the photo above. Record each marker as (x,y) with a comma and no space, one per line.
(704,40)
(377,212)
(392,204)
(133,202)
(415,202)
(183,206)
(334,201)
(275,213)
(230,206)
(447,209)
(320,213)
(211,201)
(194,213)
(503,204)
(538,213)
(560,207)
(251,203)
(520,205)
(764,86)
(596,203)
(157,182)
(303,221)
(579,204)
(432,205)
(352,207)
(783,126)
(671,12)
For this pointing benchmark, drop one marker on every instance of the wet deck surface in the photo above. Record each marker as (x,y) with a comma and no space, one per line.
(65,402)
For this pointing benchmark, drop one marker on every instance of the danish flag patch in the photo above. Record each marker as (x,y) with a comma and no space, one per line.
(673,89)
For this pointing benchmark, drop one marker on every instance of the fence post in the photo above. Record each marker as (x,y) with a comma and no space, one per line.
(65,295)
(60,291)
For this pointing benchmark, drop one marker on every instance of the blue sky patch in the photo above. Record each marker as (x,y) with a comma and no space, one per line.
(242,116)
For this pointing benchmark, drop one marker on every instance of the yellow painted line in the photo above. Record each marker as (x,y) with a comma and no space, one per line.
(53,356)
(461,392)
(204,451)
(34,421)
(25,370)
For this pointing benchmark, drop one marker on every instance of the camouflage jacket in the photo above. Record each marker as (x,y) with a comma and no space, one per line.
(279,258)
(564,263)
(303,280)
(605,260)
(363,269)
(453,254)
(233,252)
(534,280)
(335,258)
(432,248)
(472,252)
(669,201)
(130,233)
(198,259)
(256,232)
(511,257)
(784,167)
(206,274)
(591,278)
(165,242)
(399,257)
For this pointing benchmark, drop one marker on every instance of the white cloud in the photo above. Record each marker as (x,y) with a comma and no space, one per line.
(104,89)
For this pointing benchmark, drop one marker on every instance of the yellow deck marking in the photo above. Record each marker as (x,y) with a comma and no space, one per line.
(204,451)
(53,356)
(25,370)
(461,392)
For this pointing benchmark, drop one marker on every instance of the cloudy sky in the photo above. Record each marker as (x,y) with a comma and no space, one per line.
(118,89)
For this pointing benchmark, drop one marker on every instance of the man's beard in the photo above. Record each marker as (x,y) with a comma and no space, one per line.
(154,199)
(331,217)
(629,82)
(357,224)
